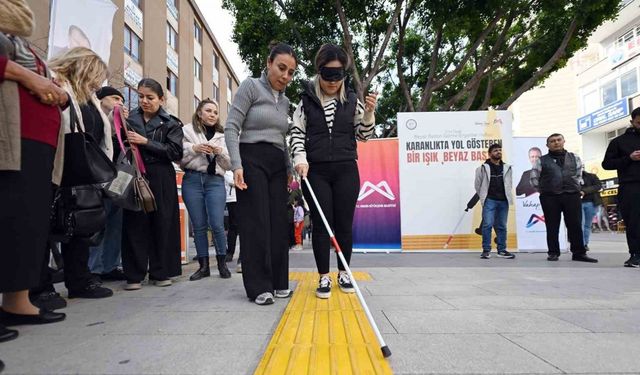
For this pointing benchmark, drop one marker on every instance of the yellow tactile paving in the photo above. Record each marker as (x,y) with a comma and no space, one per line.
(318,337)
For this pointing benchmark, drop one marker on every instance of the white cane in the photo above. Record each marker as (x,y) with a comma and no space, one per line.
(385,349)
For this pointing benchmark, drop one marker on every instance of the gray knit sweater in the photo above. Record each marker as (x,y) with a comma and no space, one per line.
(256,117)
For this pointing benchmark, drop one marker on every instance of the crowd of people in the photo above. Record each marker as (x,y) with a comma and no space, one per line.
(244,165)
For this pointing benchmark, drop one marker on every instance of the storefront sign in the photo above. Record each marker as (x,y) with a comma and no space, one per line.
(605,115)
(609,192)
(133,13)
(625,52)
(131,76)
(172,60)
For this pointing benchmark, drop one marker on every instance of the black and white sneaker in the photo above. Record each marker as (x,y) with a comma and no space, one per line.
(505,254)
(485,255)
(633,261)
(324,287)
(265,298)
(345,283)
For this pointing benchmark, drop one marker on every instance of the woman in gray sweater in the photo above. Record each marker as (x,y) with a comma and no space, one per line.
(255,136)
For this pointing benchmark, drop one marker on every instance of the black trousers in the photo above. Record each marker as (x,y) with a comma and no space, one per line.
(569,205)
(336,185)
(153,240)
(629,205)
(232,232)
(25,207)
(262,219)
(75,255)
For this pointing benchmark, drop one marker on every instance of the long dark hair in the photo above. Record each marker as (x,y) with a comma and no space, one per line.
(198,126)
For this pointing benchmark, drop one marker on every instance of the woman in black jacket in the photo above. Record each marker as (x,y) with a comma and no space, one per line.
(326,125)
(154,238)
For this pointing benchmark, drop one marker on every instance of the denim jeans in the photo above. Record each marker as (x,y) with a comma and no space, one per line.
(205,198)
(494,215)
(105,257)
(588,212)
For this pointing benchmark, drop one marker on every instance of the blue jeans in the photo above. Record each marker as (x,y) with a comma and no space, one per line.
(588,212)
(494,215)
(105,257)
(205,198)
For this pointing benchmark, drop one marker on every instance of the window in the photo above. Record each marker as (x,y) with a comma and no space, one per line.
(629,83)
(609,92)
(216,92)
(591,102)
(172,37)
(229,89)
(615,133)
(172,6)
(197,69)
(196,101)
(130,97)
(216,61)
(197,32)
(172,83)
(131,44)
(136,2)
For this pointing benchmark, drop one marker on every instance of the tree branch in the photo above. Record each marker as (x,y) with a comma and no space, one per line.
(560,52)
(449,76)
(349,47)
(376,65)
(428,88)
(487,94)
(402,26)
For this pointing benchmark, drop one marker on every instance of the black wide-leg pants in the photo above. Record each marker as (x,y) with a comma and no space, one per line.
(262,219)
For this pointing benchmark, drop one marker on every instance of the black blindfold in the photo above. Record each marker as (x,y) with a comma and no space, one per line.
(332,74)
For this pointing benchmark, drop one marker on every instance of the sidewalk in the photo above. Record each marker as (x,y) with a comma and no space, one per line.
(439,313)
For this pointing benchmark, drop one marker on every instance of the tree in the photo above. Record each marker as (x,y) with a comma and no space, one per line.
(444,55)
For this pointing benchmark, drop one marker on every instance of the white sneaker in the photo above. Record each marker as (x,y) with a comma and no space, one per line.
(162,283)
(344,281)
(324,287)
(265,298)
(283,293)
(239,268)
(133,286)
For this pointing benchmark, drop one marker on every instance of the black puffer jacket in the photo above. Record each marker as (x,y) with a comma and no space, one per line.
(164,133)
(617,156)
(322,145)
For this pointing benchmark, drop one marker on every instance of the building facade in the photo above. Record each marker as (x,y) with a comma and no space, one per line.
(590,100)
(167,40)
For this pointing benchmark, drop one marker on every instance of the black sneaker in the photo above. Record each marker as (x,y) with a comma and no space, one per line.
(553,257)
(115,275)
(344,281)
(633,261)
(48,301)
(92,291)
(505,254)
(485,255)
(324,287)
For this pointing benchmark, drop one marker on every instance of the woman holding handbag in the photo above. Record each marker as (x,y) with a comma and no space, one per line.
(151,241)
(80,71)
(30,117)
(205,160)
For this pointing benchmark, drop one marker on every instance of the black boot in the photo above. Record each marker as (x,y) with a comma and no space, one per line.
(222,267)
(229,256)
(203,271)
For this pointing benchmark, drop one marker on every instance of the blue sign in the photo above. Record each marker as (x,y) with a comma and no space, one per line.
(604,115)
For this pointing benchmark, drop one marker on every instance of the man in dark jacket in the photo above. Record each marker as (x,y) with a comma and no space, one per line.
(590,193)
(623,154)
(558,176)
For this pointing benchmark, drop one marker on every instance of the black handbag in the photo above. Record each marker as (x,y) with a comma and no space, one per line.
(84,162)
(77,212)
